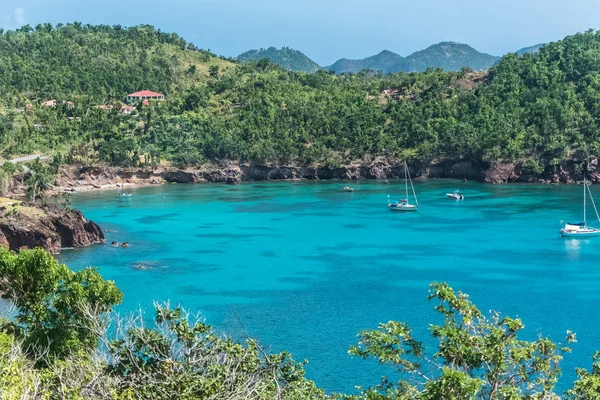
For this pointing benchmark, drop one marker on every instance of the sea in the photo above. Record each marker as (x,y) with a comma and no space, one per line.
(304,267)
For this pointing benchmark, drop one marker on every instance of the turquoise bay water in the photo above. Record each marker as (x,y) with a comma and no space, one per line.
(305,267)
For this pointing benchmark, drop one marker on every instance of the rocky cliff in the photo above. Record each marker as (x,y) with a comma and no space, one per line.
(27,225)
(77,178)
(84,178)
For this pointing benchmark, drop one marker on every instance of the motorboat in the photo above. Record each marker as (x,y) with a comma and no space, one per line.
(456,195)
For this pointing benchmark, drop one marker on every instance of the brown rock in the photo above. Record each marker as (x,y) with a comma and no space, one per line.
(501,173)
(47,226)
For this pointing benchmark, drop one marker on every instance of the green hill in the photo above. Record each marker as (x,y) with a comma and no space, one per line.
(449,56)
(541,108)
(103,62)
(386,61)
(286,58)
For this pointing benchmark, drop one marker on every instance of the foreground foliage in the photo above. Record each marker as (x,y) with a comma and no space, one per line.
(477,357)
(64,341)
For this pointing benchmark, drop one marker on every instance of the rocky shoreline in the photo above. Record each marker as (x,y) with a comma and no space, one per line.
(30,225)
(83,178)
(27,225)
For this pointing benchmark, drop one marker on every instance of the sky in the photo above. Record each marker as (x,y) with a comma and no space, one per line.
(327,30)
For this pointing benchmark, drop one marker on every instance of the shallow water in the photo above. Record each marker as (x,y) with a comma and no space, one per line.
(305,267)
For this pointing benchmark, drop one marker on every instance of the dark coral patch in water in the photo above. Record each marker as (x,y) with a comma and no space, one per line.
(354,226)
(156,219)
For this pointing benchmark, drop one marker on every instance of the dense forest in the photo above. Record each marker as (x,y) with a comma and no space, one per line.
(64,341)
(536,109)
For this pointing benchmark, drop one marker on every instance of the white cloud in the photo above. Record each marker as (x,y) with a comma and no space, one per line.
(19,16)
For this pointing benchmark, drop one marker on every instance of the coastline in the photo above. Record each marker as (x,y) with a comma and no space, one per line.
(73,178)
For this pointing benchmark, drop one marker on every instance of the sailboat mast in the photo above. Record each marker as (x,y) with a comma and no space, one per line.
(413,189)
(406,179)
(584,199)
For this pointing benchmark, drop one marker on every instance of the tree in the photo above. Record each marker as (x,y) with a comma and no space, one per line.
(58,311)
(477,357)
(587,387)
(38,179)
(60,345)
(181,357)
(213,71)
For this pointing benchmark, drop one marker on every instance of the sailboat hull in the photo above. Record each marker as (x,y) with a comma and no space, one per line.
(400,207)
(583,232)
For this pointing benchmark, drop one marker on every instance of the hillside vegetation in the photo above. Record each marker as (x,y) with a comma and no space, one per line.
(539,109)
(286,58)
(101,62)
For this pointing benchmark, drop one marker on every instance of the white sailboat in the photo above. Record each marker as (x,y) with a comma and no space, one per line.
(404,205)
(582,229)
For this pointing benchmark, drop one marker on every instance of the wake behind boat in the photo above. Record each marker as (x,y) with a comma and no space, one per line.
(404,205)
(455,195)
(582,229)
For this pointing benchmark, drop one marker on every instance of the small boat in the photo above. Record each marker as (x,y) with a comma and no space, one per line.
(347,189)
(582,229)
(404,205)
(124,194)
(455,195)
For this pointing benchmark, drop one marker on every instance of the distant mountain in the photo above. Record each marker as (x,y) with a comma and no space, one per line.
(449,56)
(386,62)
(290,59)
(531,49)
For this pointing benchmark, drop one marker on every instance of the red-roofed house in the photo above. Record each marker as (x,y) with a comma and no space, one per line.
(145,95)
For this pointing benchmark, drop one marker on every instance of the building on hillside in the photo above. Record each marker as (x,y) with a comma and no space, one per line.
(105,107)
(145,95)
(53,103)
(126,110)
